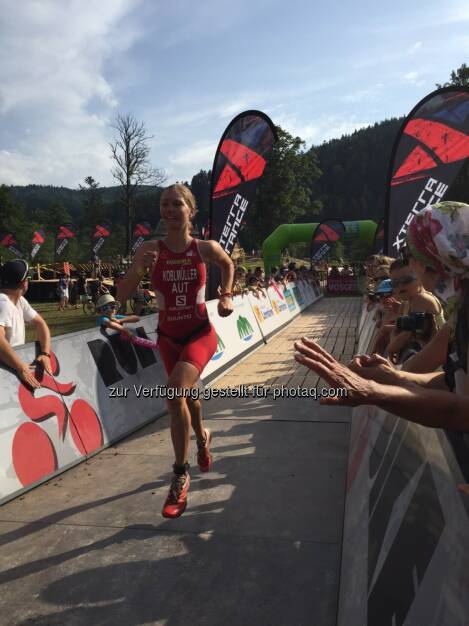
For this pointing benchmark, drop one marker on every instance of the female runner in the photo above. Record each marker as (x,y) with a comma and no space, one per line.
(186,338)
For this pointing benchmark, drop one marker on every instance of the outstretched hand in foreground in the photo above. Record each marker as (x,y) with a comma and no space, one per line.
(358,390)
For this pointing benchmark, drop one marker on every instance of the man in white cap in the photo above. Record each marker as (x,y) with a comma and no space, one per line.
(14,312)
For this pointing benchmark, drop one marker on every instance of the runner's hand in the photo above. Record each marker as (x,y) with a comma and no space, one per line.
(149,259)
(26,375)
(225,306)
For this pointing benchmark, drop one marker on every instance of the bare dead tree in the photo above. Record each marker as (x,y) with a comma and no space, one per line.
(130,152)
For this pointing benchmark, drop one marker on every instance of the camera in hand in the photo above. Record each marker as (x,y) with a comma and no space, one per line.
(419,323)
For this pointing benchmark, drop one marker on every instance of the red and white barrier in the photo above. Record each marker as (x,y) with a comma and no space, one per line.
(103,388)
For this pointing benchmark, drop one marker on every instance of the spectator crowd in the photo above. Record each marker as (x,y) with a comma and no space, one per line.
(417,368)
(256,282)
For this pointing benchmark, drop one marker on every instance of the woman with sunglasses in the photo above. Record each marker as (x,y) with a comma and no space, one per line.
(438,240)
(408,289)
(186,338)
(106,308)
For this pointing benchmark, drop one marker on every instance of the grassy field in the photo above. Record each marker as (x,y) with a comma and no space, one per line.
(61,322)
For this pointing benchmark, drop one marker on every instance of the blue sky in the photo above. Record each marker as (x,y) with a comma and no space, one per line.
(186,68)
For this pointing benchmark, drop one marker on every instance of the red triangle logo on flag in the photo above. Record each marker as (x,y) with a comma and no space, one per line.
(417,161)
(250,164)
(228,178)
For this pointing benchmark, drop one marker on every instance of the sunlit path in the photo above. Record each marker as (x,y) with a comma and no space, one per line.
(260,542)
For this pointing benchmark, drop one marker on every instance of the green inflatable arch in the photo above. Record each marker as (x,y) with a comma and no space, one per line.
(296,233)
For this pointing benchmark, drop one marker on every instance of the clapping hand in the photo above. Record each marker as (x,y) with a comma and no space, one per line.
(355,389)
(26,375)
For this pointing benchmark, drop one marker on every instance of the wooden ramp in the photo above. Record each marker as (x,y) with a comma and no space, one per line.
(260,541)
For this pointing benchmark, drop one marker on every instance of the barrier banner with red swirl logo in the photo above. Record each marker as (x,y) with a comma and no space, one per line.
(100,388)
(430,149)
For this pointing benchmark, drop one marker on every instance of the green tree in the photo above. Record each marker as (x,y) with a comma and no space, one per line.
(7,207)
(200,187)
(13,219)
(92,203)
(459,78)
(460,188)
(130,152)
(355,170)
(356,250)
(93,213)
(57,215)
(284,194)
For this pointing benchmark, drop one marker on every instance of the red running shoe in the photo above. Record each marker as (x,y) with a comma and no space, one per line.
(204,458)
(176,501)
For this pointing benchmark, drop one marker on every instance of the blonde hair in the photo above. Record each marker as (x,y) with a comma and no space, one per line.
(185,192)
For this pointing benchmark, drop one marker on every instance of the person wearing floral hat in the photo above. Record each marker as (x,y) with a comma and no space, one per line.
(438,243)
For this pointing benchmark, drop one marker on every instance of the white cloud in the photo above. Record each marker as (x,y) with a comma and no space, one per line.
(55,101)
(189,159)
(372,94)
(414,78)
(180,22)
(415,47)
(234,108)
(324,128)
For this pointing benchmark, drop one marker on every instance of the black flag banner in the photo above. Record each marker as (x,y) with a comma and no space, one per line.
(101,232)
(429,151)
(64,234)
(9,240)
(141,232)
(38,239)
(325,235)
(238,166)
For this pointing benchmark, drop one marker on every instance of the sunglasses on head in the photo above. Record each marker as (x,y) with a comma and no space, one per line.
(405,280)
